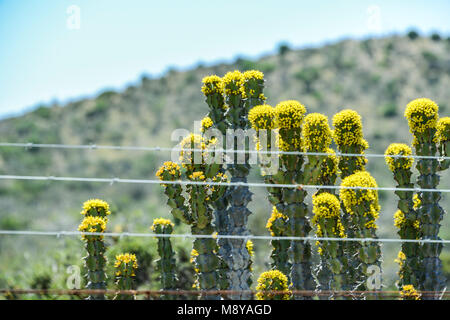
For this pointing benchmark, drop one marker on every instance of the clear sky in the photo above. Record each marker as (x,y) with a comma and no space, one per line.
(64,49)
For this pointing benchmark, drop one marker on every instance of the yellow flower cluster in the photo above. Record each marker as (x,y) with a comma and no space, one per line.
(192,141)
(422,114)
(416,201)
(253,74)
(92,224)
(220,177)
(161,222)
(353,198)
(211,85)
(249,246)
(126,263)
(262,117)
(274,217)
(291,144)
(330,164)
(401,257)
(316,133)
(326,207)
(233,82)
(194,253)
(273,280)
(169,171)
(206,124)
(197,176)
(347,128)
(409,293)
(290,114)
(443,129)
(398,163)
(101,207)
(400,220)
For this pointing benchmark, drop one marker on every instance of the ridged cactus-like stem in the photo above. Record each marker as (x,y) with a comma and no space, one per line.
(196,206)
(273,285)
(166,262)
(327,219)
(289,118)
(125,265)
(278,227)
(95,261)
(362,208)
(242,91)
(216,119)
(422,115)
(348,136)
(405,219)
(319,170)
(443,138)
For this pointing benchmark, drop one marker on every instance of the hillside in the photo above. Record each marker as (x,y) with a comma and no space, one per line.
(376,77)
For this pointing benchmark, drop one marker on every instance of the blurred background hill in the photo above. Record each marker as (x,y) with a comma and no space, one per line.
(375,76)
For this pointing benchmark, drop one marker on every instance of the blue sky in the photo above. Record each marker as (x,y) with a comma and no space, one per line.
(44,56)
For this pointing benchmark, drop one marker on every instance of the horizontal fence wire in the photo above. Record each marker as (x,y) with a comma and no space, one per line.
(212,183)
(215,150)
(156,293)
(212,236)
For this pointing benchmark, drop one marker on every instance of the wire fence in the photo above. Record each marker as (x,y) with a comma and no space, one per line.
(30,145)
(211,183)
(215,236)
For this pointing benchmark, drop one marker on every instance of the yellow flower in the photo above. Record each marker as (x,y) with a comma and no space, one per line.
(443,129)
(194,254)
(398,163)
(274,218)
(96,207)
(249,246)
(401,257)
(253,74)
(162,223)
(330,164)
(416,201)
(409,293)
(347,128)
(197,176)
(169,171)
(262,117)
(233,82)
(422,114)
(126,264)
(316,133)
(290,114)
(206,124)
(92,224)
(273,280)
(212,85)
(327,212)
(193,149)
(354,198)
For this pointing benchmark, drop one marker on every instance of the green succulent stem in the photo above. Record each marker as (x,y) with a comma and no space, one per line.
(296,209)
(430,213)
(95,262)
(166,263)
(410,271)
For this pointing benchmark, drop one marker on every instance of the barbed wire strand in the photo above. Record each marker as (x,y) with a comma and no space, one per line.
(213,236)
(30,145)
(212,183)
(182,292)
